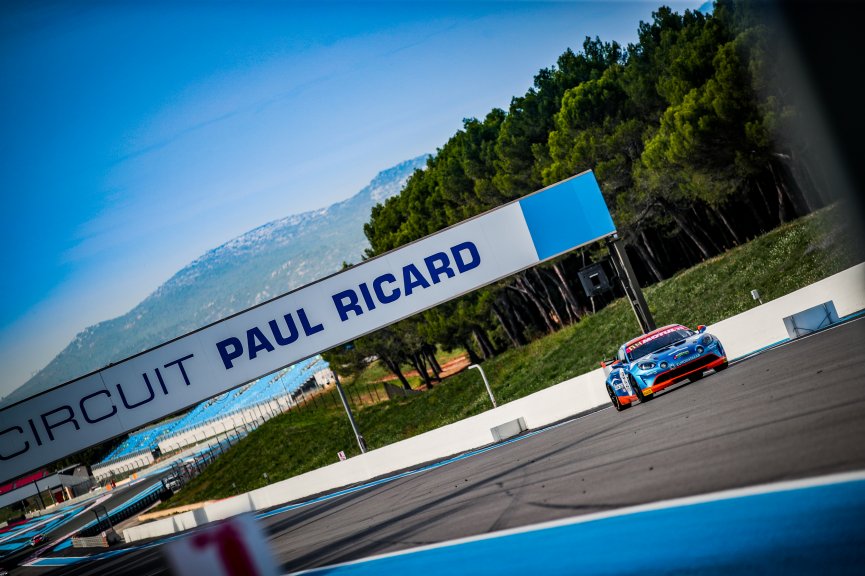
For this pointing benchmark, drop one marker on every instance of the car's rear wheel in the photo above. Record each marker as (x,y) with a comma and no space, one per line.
(696,376)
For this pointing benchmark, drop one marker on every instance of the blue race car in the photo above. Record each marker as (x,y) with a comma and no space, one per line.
(659,359)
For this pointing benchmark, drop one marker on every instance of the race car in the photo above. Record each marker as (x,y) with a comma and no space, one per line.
(38,539)
(654,361)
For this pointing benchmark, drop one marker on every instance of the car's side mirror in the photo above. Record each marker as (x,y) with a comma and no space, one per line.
(701,329)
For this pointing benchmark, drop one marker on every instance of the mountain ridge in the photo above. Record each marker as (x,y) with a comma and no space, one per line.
(259,265)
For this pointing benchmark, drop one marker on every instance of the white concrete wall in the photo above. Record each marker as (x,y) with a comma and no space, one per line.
(740,335)
(764,325)
(186,520)
(539,409)
(227,508)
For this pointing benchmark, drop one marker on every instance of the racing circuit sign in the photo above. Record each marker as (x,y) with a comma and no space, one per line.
(300,324)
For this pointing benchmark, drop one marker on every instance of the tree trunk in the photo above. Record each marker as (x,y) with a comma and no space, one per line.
(649,261)
(817,173)
(567,293)
(795,191)
(473,357)
(518,307)
(487,350)
(652,259)
(720,214)
(521,287)
(646,244)
(689,256)
(394,367)
(805,180)
(781,189)
(510,311)
(420,366)
(689,232)
(429,351)
(763,197)
(752,209)
(542,289)
(664,247)
(512,335)
(572,313)
(711,227)
(706,218)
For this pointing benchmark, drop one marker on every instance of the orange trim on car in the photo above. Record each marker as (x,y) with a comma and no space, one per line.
(657,386)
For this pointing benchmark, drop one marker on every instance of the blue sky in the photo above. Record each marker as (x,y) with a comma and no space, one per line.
(137,135)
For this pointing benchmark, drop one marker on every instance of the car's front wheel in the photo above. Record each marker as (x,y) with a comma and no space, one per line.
(615,400)
(723,366)
(642,397)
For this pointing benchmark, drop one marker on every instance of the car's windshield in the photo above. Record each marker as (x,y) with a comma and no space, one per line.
(655,342)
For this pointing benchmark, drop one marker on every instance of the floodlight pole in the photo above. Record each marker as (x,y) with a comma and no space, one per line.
(360,441)
(626,275)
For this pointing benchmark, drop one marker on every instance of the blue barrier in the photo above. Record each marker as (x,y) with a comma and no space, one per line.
(263,390)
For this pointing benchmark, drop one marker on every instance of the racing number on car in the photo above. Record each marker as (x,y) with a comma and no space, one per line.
(626,380)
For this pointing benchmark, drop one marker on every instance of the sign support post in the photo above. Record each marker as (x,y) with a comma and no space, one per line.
(360,441)
(629,282)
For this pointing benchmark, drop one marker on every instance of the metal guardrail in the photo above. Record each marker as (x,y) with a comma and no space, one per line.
(100,541)
(107,521)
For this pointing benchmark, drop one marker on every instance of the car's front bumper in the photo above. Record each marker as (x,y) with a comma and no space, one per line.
(676,374)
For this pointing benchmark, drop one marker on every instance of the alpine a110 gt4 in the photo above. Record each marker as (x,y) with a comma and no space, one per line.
(659,359)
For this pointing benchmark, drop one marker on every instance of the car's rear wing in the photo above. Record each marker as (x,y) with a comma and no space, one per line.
(607,365)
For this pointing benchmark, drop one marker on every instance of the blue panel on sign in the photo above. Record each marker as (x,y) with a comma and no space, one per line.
(567,215)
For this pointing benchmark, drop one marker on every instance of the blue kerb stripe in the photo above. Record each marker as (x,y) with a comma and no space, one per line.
(63,545)
(567,215)
(802,531)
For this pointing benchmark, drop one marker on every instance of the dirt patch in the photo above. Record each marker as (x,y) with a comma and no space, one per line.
(449,368)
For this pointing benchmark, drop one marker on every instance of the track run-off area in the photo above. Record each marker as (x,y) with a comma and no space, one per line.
(756,469)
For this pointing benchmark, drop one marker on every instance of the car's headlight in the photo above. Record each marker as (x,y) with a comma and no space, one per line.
(699,349)
(647,365)
(706,340)
(664,364)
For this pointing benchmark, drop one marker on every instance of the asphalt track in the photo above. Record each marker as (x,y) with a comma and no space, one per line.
(83,516)
(794,412)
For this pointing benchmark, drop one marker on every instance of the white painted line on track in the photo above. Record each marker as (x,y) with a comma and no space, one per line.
(782,486)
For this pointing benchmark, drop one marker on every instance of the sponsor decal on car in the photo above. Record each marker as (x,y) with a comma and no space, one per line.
(655,336)
(624,383)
